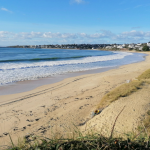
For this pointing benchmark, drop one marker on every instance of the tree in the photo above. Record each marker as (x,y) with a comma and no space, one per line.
(145,48)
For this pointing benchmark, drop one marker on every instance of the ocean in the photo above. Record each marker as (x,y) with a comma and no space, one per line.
(19,64)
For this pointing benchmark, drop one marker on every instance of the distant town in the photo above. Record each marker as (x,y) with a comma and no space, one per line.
(133,46)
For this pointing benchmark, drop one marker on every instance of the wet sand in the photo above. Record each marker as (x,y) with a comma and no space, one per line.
(24,86)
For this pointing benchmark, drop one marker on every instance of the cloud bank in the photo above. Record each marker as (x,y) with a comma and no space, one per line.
(105,36)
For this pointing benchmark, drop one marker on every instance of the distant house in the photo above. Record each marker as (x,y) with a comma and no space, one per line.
(131,46)
(43,46)
(25,46)
(148,44)
(140,48)
(139,44)
(124,45)
(108,47)
(32,46)
(120,46)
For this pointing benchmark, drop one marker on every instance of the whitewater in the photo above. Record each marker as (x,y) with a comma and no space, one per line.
(31,64)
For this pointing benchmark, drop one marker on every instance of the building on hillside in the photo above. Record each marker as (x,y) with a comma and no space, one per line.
(138,44)
(131,46)
(108,47)
(119,46)
(140,48)
(148,44)
(123,45)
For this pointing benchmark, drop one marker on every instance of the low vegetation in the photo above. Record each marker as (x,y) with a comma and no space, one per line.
(145,75)
(88,142)
(145,48)
(125,89)
(121,91)
(147,119)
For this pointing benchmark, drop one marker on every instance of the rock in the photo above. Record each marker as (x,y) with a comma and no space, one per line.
(45,112)
(43,106)
(29,120)
(15,129)
(80,107)
(5,133)
(128,81)
(37,119)
(43,131)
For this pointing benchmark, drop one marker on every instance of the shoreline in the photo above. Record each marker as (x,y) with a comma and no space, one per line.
(59,106)
(27,85)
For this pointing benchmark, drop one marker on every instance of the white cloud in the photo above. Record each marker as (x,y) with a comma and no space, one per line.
(60,38)
(5,9)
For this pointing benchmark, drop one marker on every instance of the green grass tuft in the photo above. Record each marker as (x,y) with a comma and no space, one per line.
(97,142)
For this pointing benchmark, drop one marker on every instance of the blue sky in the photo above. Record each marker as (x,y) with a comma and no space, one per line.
(24,22)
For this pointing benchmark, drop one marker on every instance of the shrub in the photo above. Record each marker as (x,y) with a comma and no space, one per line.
(145,48)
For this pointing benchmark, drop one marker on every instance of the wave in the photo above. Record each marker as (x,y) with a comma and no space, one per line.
(41,59)
(93,59)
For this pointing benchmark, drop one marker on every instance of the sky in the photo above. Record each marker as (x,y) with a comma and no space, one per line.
(39,22)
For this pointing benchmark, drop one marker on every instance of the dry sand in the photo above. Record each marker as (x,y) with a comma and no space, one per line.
(57,107)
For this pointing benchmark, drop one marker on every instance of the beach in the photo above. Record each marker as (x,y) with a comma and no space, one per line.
(57,108)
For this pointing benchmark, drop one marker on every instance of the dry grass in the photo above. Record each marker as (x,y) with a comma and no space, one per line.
(145,75)
(147,121)
(125,89)
(121,91)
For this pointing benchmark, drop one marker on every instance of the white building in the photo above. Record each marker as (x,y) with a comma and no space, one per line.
(148,44)
(124,45)
(120,46)
(140,48)
(138,44)
(131,46)
(108,47)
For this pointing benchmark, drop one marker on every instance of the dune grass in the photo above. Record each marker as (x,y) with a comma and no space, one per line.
(121,91)
(145,75)
(146,121)
(125,89)
(87,142)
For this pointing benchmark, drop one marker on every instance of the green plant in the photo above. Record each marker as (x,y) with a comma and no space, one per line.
(94,142)
(145,48)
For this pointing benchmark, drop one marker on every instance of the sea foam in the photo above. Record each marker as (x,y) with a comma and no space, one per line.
(12,66)
(13,72)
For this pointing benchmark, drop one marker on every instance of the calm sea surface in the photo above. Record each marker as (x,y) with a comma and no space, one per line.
(18,64)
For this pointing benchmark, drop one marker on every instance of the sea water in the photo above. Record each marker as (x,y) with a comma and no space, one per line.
(19,64)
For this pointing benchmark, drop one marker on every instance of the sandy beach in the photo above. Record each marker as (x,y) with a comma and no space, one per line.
(59,107)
